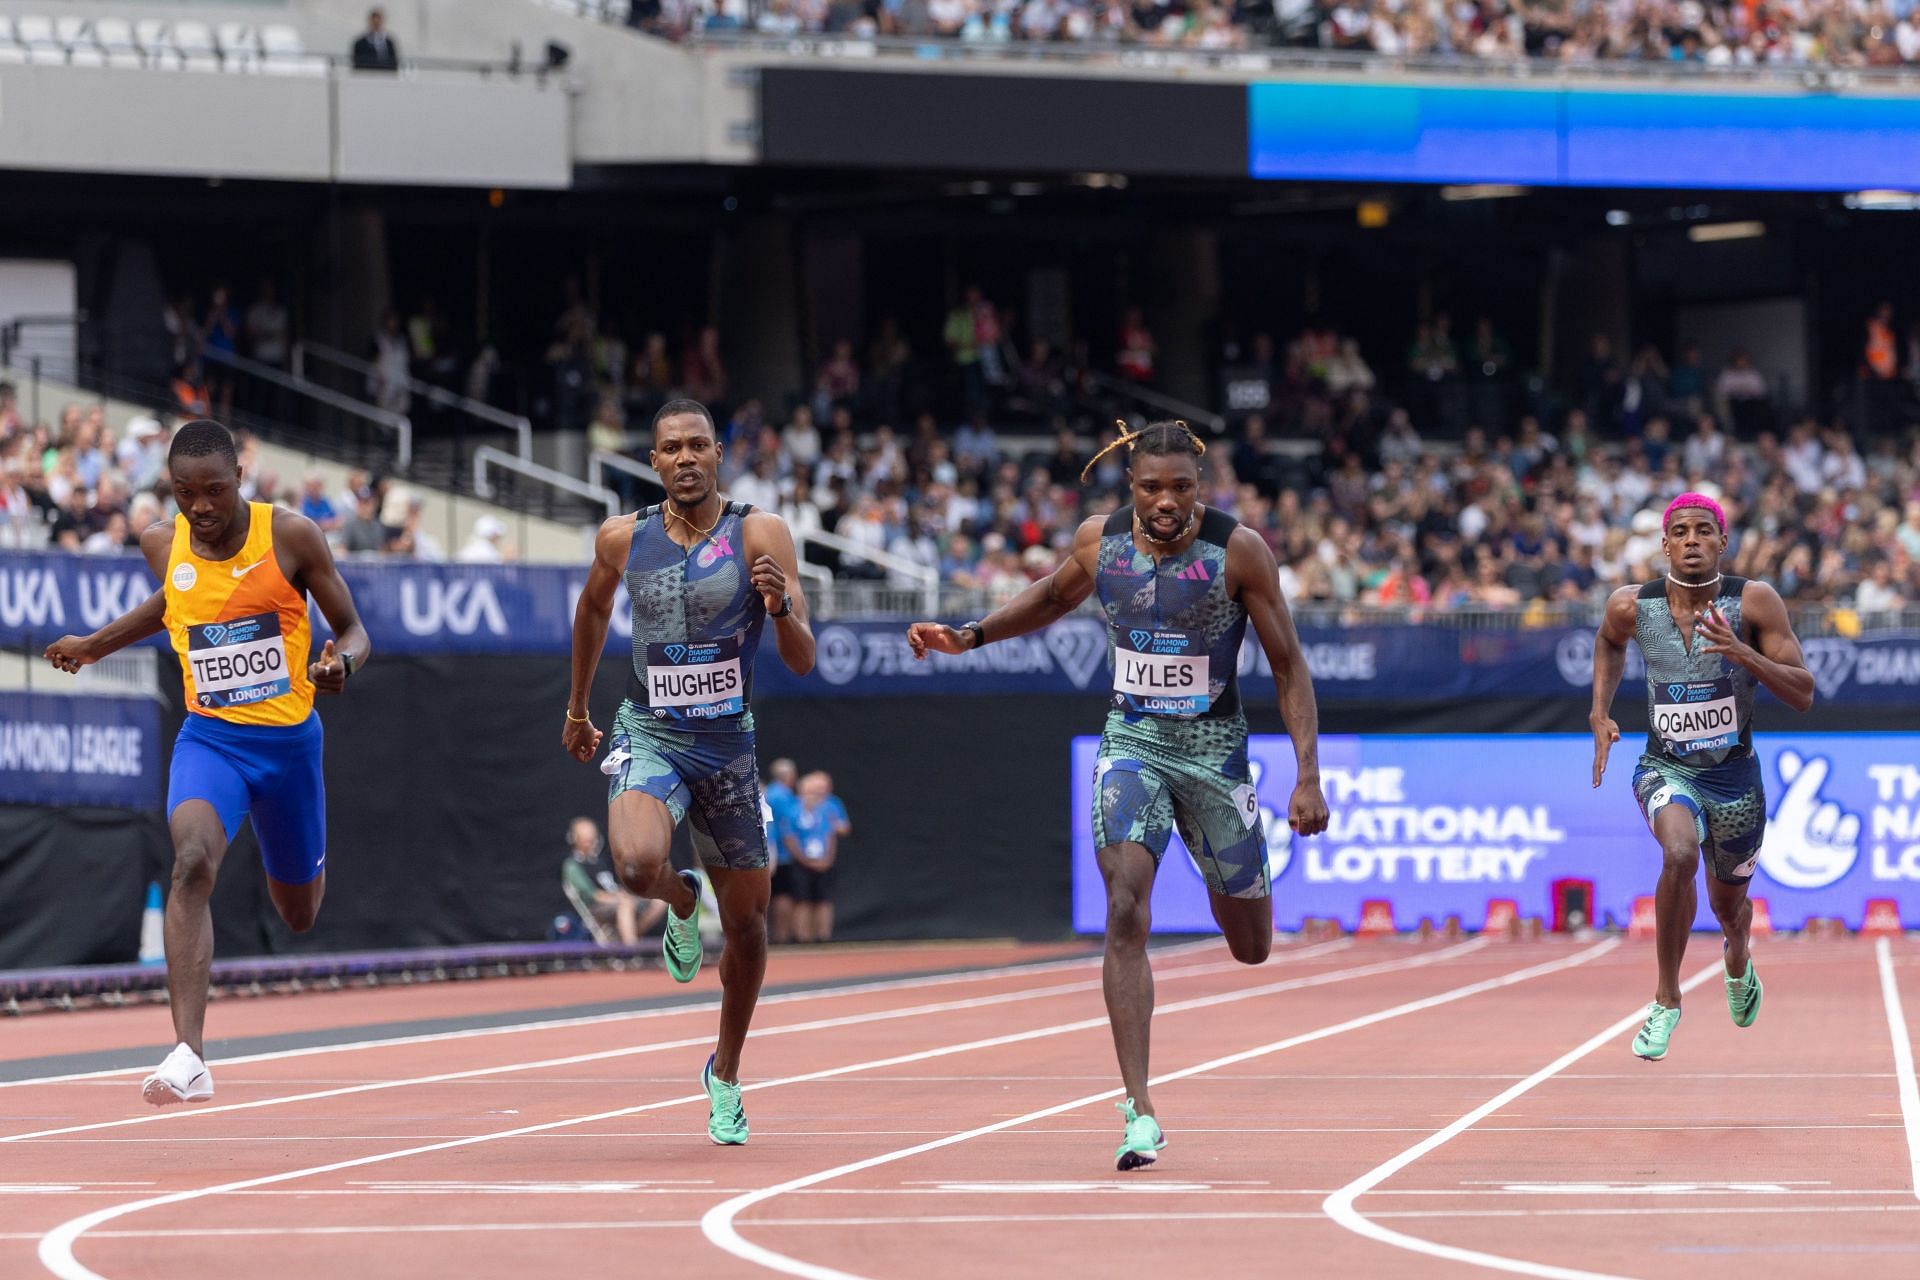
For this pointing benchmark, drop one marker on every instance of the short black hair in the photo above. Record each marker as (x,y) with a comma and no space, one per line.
(674,408)
(203,438)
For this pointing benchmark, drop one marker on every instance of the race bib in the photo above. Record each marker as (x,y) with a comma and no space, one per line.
(1696,715)
(696,681)
(238,662)
(1160,673)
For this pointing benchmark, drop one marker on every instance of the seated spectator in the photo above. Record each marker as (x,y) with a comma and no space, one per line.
(488,543)
(597,894)
(362,533)
(316,506)
(375,50)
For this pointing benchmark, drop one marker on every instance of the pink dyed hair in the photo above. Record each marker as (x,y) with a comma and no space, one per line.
(1699,500)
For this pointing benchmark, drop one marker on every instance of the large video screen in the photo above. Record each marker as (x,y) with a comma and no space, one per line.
(1729,139)
(1440,825)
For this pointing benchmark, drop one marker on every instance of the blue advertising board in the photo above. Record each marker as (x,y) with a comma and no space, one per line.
(80,750)
(1576,136)
(1440,825)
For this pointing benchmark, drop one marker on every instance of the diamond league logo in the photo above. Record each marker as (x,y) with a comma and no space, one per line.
(1079,646)
(837,654)
(1139,638)
(1574,657)
(1831,662)
(1676,691)
(214,632)
(675,652)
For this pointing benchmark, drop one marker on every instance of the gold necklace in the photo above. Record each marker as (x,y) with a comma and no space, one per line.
(698,533)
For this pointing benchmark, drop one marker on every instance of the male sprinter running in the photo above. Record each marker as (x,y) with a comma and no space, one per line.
(1707,640)
(704,575)
(1178,584)
(235,577)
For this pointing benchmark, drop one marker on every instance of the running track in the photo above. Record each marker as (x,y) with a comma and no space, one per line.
(1349,1109)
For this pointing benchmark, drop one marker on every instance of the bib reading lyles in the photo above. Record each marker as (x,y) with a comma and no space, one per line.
(238,662)
(695,681)
(1696,715)
(1161,673)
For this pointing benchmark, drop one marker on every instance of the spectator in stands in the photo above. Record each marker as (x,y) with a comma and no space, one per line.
(963,348)
(268,329)
(488,543)
(375,50)
(1741,389)
(412,538)
(316,506)
(219,343)
(779,797)
(362,533)
(1879,593)
(838,383)
(703,374)
(1137,353)
(596,893)
(815,827)
(392,365)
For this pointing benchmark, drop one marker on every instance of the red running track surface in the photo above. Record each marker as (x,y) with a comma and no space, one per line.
(1350,1109)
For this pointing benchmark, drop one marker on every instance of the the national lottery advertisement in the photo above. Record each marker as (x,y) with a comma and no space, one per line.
(1441,825)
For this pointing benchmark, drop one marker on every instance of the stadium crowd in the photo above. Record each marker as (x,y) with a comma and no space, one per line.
(1359,507)
(1849,33)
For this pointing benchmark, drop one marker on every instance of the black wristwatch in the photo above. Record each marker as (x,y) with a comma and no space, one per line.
(786,607)
(979,634)
(346,663)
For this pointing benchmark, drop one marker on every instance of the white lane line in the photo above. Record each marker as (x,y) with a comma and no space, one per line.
(600,1055)
(718,1222)
(945,1219)
(56,1247)
(674,1011)
(1902,1060)
(1340,1205)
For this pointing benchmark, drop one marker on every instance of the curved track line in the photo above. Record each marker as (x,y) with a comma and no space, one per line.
(602,1055)
(718,1222)
(1339,1205)
(56,1247)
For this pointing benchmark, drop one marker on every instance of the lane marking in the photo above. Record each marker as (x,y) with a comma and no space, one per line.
(1902,1060)
(56,1246)
(718,1222)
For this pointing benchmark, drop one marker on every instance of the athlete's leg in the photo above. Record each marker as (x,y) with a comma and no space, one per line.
(1676,900)
(1247,924)
(640,838)
(287,791)
(199,844)
(1734,910)
(742,895)
(823,921)
(1126,977)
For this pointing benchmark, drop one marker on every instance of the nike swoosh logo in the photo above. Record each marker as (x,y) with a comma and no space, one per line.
(238,572)
(196,1078)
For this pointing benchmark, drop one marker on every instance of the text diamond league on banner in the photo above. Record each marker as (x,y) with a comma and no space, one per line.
(1440,825)
(528,609)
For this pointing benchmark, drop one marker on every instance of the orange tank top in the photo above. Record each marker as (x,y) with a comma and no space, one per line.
(240,628)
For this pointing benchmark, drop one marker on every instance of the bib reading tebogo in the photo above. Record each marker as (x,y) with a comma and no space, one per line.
(1160,673)
(695,681)
(1696,715)
(238,662)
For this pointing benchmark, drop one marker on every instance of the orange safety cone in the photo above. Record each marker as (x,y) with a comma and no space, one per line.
(1643,923)
(1376,919)
(1882,919)
(1501,912)
(1762,926)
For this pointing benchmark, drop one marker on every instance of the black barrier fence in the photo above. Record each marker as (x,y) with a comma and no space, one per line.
(449,798)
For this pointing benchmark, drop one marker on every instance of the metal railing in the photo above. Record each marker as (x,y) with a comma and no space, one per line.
(1168,406)
(398,423)
(438,396)
(601,461)
(132,672)
(486,456)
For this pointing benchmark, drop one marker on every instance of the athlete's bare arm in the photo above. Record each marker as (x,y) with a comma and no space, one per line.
(307,561)
(1609,661)
(1253,578)
(774,571)
(1039,606)
(1774,657)
(611,546)
(148,618)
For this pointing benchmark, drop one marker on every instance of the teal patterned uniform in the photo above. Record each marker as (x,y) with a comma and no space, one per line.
(1174,753)
(684,733)
(1699,752)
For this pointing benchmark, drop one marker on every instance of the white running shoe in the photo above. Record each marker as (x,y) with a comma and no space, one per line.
(181,1077)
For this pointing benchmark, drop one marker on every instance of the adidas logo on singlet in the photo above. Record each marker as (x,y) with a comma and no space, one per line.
(1195,572)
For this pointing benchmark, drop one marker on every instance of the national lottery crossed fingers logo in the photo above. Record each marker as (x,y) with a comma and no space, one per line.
(1811,841)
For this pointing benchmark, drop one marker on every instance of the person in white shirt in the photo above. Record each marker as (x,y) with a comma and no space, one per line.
(488,544)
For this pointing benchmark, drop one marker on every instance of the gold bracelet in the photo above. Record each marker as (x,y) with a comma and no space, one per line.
(577,719)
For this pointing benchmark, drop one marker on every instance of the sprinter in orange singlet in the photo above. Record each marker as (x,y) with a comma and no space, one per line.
(234,581)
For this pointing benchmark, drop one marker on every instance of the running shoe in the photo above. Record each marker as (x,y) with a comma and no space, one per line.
(181,1077)
(680,944)
(1651,1042)
(726,1118)
(1141,1145)
(1743,996)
